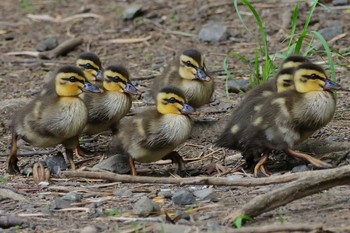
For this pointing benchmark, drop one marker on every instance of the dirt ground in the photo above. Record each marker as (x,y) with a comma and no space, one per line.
(166,28)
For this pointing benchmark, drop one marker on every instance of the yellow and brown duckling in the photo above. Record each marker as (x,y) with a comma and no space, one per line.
(189,73)
(53,117)
(91,65)
(285,119)
(107,108)
(242,115)
(153,134)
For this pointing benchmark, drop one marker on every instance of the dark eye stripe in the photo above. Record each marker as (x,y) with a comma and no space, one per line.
(116,79)
(314,77)
(188,63)
(176,101)
(88,66)
(73,79)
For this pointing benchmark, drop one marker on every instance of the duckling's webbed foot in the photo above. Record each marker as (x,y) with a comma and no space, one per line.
(12,159)
(177,159)
(260,166)
(309,158)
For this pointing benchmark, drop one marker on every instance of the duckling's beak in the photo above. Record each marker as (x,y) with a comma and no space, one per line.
(99,75)
(88,87)
(330,85)
(187,109)
(202,75)
(131,89)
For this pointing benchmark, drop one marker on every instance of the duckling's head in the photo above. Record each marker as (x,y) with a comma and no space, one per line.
(284,80)
(294,61)
(70,81)
(310,77)
(192,66)
(171,100)
(116,78)
(90,63)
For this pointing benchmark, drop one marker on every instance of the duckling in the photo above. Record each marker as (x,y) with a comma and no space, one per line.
(53,118)
(106,109)
(91,65)
(252,102)
(153,134)
(287,118)
(190,74)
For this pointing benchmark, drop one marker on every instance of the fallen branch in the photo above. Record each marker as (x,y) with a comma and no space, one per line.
(219,181)
(305,186)
(62,49)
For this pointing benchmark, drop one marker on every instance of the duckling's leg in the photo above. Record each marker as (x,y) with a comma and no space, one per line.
(79,151)
(177,159)
(12,160)
(69,155)
(132,166)
(309,158)
(260,166)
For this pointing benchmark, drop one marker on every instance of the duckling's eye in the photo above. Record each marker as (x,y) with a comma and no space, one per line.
(187,63)
(314,76)
(172,100)
(88,66)
(72,79)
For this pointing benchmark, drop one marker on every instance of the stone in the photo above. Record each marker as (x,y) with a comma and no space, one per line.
(213,32)
(47,44)
(72,197)
(339,2)
(206,195)
(237,86)
(183,197)
(56,163)
(117,163)
(59,203)
(123,192)
(300,168)
(145,206)
(89,229)
(331,31)
(132,12)
(166,193)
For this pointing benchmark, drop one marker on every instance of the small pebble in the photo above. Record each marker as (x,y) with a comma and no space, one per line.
(132,12)
(213,32)
(300,168)
(47,44)
(89,229)
(206,195)
(117,163)
(123,192)
(58,203)
(145,206)
(72,197)
(183,197)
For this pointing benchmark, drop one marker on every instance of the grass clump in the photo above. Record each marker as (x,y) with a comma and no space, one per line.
(263,67)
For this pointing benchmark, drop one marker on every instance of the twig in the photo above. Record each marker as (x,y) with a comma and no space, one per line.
(220,181)
(64,20)
(305,186)
(7,193)
(62,49)
(280,228)
(126,41)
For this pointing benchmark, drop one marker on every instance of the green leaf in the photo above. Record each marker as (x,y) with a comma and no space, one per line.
(238,222)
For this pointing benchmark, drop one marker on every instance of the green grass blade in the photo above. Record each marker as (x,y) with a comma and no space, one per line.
(305,29)
(294,24)
(240,16)
(328,52)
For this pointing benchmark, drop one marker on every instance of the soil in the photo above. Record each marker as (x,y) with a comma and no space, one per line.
(169,27)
